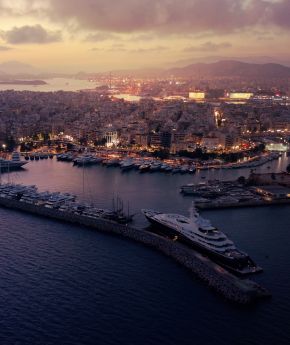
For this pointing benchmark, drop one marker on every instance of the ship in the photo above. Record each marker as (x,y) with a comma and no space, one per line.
(15,163)
(198,233)
(127,164)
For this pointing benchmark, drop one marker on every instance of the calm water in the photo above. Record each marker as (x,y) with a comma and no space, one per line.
(53,84)
(62,284)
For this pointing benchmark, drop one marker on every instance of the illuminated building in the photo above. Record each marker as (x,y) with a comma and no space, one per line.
(277,147)
(197,95)
(240,95)
(111,138)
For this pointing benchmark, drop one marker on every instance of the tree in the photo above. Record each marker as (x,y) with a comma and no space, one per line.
(162,154)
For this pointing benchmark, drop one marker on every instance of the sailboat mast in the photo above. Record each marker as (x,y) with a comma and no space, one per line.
(83,179)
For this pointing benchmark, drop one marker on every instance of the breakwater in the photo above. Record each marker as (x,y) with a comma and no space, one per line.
(229,286)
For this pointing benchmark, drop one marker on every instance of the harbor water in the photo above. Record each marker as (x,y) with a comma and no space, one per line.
(64,284)
(52,85)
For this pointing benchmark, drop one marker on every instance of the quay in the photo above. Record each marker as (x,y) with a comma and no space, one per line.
(254,203)
(258,190)
(232,288)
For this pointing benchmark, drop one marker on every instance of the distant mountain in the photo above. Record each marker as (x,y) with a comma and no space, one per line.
(246,59)
(3,74)
(231,69)
(15,68)
(222,69)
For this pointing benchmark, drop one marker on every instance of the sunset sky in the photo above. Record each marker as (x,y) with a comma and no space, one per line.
(96,35)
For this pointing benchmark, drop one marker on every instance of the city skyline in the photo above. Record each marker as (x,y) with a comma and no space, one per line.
(96,35)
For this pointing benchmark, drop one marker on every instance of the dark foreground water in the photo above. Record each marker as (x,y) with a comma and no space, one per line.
(62,284)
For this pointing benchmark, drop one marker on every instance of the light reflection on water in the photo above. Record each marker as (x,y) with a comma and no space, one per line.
(62,284)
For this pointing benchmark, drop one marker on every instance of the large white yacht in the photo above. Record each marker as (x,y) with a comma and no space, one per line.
(13,164)
(198,233)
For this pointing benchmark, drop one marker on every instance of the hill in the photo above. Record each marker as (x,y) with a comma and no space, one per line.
(231,69)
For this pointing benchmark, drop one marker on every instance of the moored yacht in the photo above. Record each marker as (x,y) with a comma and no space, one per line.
(199,234)
(13,164)
(144,167)
(127,164)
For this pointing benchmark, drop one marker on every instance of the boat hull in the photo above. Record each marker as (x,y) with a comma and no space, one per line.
(11,166)
(236,266)
(127,167)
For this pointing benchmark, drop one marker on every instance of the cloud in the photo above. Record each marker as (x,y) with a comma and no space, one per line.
(23,7)
(95,49)
(143,37)
(156,16)
(100,37)
(4,48)
(265,38)
(122,48)
(149,50)
(279,13)
(118,45)
(171,15)
(30,35)
(208,47)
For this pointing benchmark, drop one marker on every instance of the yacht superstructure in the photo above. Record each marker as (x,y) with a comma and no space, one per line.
(199,233)
(13,164)
(64,202)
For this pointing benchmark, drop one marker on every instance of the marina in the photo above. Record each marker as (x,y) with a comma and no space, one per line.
(65,208)
(63,202)
(70,246)
(243,192)
(174,165)
(144,172)
(127,161)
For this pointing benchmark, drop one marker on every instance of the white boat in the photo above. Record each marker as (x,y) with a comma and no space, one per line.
(13,164)
(199,234)
(127,164)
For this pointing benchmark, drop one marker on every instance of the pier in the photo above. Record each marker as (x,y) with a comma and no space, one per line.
(275,190)
(232,288)
(253,203)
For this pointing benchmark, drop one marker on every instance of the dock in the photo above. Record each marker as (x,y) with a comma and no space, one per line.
(230,287)
(254,203)
(253,192)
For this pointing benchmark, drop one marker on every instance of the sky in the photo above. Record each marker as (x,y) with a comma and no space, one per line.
(100,35)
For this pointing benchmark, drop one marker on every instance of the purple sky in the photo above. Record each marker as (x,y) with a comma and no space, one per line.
(104,34)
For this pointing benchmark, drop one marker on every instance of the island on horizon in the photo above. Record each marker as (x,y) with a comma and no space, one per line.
(23,82)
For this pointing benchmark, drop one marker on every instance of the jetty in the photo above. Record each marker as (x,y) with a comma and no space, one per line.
(258,190)
(237,204)
(232,288)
